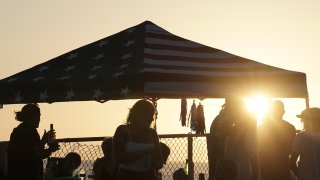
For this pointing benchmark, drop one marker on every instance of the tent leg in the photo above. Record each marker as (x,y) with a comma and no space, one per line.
(307,102)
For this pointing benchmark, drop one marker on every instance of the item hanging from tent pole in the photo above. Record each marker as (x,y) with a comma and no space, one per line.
(201,127)
(183,114)
(193,117)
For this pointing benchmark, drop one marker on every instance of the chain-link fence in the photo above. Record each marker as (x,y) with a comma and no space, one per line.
(182,147)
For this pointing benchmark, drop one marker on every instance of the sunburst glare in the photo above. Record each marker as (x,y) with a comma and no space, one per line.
(258,105)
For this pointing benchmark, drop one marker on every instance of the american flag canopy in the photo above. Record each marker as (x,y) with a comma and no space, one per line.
(147,61)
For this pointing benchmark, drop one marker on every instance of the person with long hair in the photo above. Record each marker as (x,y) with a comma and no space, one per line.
(306,146)
(136,145)
(26,150)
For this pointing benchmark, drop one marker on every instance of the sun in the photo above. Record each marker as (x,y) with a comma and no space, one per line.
(258,105)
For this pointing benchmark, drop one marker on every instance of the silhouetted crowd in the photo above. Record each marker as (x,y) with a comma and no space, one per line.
(238,149)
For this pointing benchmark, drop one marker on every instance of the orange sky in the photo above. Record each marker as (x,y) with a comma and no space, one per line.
(283,34)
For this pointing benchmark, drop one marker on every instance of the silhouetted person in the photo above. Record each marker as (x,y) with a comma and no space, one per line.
(226,170)
(105,168)
(66,166)
(179,174)
(26,149)
(233,136)
(306,146)
(3,176)
(136,145)
(275,137)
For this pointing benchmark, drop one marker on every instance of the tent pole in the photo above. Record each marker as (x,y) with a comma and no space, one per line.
(307,102)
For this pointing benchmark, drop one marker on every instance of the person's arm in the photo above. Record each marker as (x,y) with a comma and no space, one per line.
(39,148)
(157,150)
(34,144)
(296,148)
(119,142)
(42,152)
(293,162)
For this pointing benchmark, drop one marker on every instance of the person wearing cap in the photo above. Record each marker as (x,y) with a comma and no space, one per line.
(26,150)
(275,138)
(306,147)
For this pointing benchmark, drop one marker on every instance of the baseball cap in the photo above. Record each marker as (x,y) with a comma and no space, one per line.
(312,112)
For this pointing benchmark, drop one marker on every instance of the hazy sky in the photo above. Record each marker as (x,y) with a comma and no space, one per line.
(275,32)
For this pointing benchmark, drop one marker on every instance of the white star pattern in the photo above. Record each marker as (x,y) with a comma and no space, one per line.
(17,98)
(96,67)
(12,79)
(64,78)
(99,56)
(69,68)
(123,58)
(72,55)
(97,93)
(124,91)
(130,43)
(117,74)
(70,94)
(102,43)
(42,68)
(92,76)
(126,56)
(124,66)
(37,79)
(43,96)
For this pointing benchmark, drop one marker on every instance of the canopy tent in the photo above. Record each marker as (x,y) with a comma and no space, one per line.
(147,61)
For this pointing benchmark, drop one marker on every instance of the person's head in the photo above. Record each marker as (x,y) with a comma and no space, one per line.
(310,119)
(29,114)
(179,174)
(234,104)
(141,114)
(277,110)
(72,161)
(234,109)
(107,146)
(165,152)
(226,169)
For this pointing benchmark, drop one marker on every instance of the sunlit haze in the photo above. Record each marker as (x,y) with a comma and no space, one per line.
(283,34)
(259,106)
